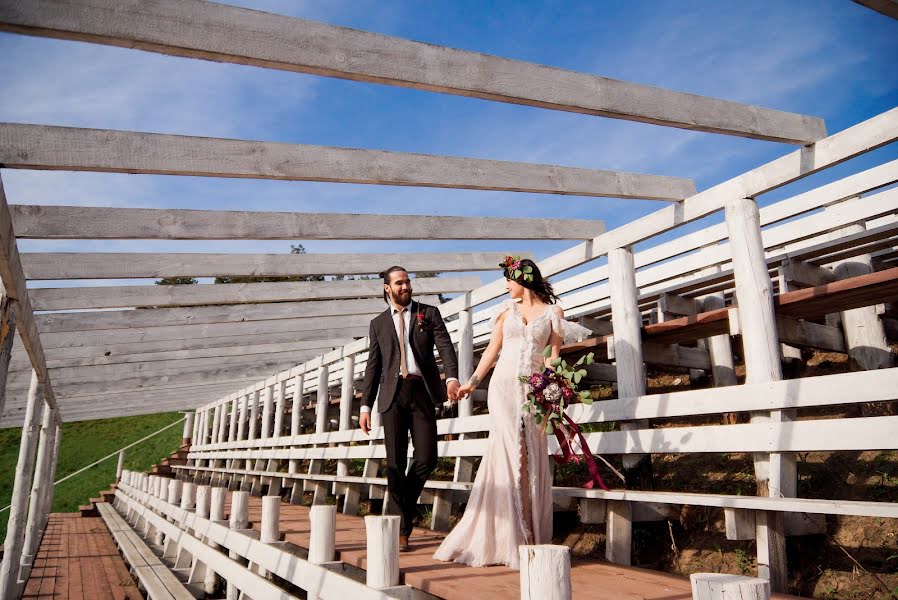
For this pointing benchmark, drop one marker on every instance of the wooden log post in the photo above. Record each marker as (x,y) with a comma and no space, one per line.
(276,483)
(443,500)
(187,435)
(776,473)
(18,510)
(629,363)
(295,429)
(267,419)
(350,492)
(40,488)
(545,572)
(323,519)
(249,482)
(8,310)
(372,465)
(382,535)
(720,349)
(865,335)
(242,433)
(188,496)
(721,586)
(323,399)
(174,492)
(270,532)
(238,519)
(120,465)
(216,514)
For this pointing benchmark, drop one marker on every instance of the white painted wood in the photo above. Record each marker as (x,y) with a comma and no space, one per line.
(188,436)
(618,532)
(280,390)
(51,148)
(382,535)
(322,401)
(323,520)
(86,265)
(18,511)
(174,492)
(739,523)
(545,572)
(278,42)
(271,512)
(203,500)
(239,519)
(42,482)
(85,222)
(267,407)
(253,425)
(721,586)
(234,293)
(592,510)
(120,465)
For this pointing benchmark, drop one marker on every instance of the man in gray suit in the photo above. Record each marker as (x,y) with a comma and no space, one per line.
(402,366)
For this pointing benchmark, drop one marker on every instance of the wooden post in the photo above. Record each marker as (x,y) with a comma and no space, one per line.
(271,514)
(8,310)
(174,492)
(40,488)
(18,511)
(720,350)
(120,465)
(350,492)
(254,415)
(865,335)
(545,572)
(322,400)
(618,531)
(720,586)
(267,406)
(239,519)
(383,551)
(279,406)
(776,473)
(216,513)
(232,426)
(203,500)
(464,465)
(323,519)
(629,363)
(195,433)
(295,422)
(187,435)
(188,499)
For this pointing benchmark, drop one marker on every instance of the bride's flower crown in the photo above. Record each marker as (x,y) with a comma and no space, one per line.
(514,270)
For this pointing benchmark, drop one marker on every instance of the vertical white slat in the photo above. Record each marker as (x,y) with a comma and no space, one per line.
(295,422)
(350,492)
(322,401)
(40,487)
(545,572)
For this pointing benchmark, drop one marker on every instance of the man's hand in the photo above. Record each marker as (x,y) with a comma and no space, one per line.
(452,388)
(365,422)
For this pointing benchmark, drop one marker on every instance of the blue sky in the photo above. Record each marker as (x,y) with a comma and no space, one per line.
(830,58)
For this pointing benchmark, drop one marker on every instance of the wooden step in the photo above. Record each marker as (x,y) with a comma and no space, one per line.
(88,510)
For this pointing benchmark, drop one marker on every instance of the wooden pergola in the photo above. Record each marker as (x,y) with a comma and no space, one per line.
(74,353)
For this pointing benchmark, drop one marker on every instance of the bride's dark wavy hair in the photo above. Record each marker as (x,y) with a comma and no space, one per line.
(539,286)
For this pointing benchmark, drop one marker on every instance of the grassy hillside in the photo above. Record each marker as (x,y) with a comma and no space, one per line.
(84,442)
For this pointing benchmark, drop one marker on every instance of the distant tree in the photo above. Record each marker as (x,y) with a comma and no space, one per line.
(294,249)
(177,281)
(431,274)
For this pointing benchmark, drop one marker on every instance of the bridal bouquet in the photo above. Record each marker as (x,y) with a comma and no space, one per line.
(551,390)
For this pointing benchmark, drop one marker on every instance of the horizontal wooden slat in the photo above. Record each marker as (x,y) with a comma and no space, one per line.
(75,149)
(228,34)
(196,315)
(235,293)
(103,265)
(81,222)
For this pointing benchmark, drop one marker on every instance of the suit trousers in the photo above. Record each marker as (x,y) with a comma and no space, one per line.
(411,411)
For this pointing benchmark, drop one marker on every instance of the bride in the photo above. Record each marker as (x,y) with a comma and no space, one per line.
(511,499)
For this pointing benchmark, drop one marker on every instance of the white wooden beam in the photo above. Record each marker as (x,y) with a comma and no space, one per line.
(76,149)
(229,34)
(95,223)
(89,265)
(233,293)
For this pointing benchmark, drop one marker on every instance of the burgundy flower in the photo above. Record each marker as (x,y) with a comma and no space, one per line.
(537,381)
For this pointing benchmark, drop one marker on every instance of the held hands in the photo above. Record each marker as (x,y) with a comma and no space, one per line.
(465,391)
(452,390)
(365,422)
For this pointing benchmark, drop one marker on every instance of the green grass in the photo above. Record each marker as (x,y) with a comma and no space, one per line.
(84,442)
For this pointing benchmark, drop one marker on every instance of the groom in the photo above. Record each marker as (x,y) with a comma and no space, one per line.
(401,364)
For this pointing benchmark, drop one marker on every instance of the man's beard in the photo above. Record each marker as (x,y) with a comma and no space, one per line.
(399,300)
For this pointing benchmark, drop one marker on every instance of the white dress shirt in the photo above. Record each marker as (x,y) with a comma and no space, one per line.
(410,363)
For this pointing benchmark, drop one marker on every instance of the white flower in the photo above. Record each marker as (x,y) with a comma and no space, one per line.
(552,393)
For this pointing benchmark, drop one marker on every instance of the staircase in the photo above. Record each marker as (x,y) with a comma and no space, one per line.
(162,469)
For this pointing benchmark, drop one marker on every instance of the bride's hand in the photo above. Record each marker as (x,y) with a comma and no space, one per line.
(465,391)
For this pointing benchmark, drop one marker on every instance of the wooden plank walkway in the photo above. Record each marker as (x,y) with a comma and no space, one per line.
(590,579)
(78,559)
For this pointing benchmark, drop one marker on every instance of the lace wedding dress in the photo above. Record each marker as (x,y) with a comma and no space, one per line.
(511,499)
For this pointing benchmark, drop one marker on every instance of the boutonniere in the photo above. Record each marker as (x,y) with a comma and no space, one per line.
(423,323)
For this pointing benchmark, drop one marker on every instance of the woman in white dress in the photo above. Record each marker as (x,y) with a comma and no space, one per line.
(511,498)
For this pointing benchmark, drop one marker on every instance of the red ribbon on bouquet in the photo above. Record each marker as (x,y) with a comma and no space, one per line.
(568,454)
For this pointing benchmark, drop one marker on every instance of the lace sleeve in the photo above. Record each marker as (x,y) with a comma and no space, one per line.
(499,311)
(570,332)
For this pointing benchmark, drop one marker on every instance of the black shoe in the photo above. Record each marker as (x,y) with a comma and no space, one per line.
(403,543)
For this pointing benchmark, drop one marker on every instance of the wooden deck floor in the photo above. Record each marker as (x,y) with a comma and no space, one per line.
(78,560)
(597,580)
